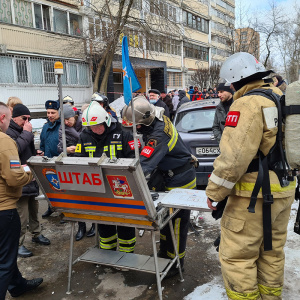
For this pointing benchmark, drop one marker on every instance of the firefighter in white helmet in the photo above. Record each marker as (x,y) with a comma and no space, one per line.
(105,135)
(252,236)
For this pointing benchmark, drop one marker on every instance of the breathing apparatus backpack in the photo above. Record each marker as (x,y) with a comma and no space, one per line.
(284,161)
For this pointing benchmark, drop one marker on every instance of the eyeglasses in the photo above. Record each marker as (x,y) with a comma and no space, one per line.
(26,118)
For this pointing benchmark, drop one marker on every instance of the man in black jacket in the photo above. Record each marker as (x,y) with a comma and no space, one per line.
(20,130)
(154,99)
(105,135)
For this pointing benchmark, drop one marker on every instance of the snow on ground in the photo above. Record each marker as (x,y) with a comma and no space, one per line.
(291,289)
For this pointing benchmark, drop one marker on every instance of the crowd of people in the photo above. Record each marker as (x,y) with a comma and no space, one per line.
(243,127)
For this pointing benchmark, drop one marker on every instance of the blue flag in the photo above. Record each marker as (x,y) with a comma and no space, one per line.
(128,72)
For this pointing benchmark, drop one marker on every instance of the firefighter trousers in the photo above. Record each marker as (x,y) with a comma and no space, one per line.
(248,271)
(109,235)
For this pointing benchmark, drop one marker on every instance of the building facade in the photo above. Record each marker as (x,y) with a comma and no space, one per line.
(33,35)
(247,40)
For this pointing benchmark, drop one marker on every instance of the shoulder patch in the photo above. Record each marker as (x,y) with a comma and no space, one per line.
(147,151)
(168,129)
(271,117)
(152,143)
(131,144)
(232,118)
(14,164)
(78,148)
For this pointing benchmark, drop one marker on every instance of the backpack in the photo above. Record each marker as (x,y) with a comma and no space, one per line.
(275,160)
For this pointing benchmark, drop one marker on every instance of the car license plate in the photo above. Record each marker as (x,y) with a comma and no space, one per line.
(207,150)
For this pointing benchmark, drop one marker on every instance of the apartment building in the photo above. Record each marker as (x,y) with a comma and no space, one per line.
(247,40)
(33,35)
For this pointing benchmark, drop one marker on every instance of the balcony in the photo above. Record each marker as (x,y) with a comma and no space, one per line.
(34,41)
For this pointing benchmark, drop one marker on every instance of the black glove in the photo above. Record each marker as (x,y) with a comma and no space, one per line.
(217,214)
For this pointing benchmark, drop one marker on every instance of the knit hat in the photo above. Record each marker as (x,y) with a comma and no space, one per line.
(20,110)
(68,111)
(223,87)
(52,104)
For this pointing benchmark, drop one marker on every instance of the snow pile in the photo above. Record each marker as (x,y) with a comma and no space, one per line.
(118,105)
(209,291)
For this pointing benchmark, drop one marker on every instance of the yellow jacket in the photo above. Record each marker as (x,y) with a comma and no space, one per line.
(12,175)
(255,129)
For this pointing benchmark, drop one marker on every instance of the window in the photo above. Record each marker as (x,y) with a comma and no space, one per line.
(75,24)
(42,16)
(49,77)
(5,11)
(195,51)
(174,79)
(195,22)
(36,71)
(6,70)
(21,68)
(23,13)
(73,76)
(118,78)
(60,21)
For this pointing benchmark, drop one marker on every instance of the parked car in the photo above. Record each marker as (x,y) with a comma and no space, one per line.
(193,122)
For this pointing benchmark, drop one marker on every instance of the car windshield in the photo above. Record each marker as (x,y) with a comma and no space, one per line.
(195,120)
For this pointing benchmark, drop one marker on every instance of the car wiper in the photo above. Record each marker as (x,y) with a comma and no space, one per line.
(200,129)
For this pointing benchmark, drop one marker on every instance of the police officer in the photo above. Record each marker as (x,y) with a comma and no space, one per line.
(164,149)
(248,271)
(12,179)
(105,135)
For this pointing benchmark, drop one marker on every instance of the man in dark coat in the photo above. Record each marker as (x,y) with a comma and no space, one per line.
(20,130)
(154,99)
(182,98)
(167,100)
(225,94)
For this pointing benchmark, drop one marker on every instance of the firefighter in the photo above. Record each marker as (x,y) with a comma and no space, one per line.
(105,135)
(165,150)
(103,101)
(248,271)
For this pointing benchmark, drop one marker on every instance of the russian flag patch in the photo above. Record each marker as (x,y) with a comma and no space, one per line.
(14,164)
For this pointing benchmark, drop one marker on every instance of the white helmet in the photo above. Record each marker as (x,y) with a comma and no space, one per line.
(144,112)
(68,99)
(242,65)
(95,114)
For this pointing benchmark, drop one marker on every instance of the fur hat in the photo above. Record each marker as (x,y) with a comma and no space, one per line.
(52,104)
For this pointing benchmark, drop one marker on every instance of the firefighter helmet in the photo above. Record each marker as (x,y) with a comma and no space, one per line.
(100,98)
(95,114)
(242,65)
(144,112)
(68,99)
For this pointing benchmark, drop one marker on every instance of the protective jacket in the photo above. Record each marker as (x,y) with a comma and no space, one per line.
(220,117)
(25,143)
(12,175)
(251,126)
(248,271)
(113,142)
(166,150)
(49,138)
(72,133)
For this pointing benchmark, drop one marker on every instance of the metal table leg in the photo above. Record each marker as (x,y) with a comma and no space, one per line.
(71,257)
(159,289)
(175,249)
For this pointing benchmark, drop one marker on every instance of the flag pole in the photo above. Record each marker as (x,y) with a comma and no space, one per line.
(136,147)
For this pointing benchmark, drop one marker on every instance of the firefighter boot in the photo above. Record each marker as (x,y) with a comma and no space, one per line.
(81,231)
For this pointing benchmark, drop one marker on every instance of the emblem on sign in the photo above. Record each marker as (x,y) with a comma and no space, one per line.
(52,178)
(119,186)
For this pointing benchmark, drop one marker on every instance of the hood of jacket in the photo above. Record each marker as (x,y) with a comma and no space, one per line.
(181,94)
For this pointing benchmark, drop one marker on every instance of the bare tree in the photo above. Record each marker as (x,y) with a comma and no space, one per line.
(114,19)
(204,77)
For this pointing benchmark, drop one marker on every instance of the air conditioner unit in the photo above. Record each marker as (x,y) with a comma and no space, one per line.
(3,48)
